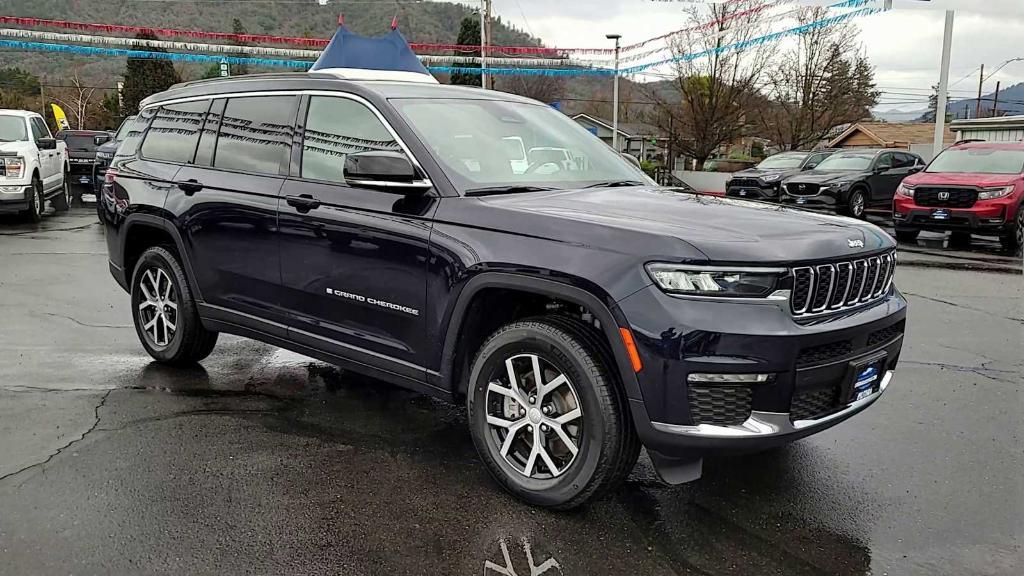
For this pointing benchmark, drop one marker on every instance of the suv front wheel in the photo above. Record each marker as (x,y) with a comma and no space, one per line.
(164,311)
(547,417)
(1014,236)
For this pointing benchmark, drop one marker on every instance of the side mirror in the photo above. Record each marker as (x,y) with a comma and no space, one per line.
(46,143)
(916,169)
(632,159)
(386,171)
(100,140)
(810,167)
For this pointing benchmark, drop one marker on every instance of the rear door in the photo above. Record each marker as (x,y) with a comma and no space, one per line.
(353,266)
(226,205)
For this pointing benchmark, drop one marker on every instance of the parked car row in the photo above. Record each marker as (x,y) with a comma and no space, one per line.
(971,187)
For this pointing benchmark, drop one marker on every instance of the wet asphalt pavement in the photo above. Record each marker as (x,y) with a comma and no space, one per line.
(266,462)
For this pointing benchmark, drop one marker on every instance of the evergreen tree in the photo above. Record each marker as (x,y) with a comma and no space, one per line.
(146,76)
(469,35)
(238,69)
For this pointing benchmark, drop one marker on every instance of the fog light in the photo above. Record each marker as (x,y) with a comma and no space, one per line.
(899,215)
(994,221)
(728,378)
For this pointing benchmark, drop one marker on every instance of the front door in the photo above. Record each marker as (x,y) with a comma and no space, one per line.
(50,163)
(885,178)
(353,260)
(226,201)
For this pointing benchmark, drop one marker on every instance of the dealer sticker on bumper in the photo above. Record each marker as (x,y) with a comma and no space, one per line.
(940,215)
(866,382)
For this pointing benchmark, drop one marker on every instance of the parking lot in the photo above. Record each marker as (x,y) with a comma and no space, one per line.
(266,462)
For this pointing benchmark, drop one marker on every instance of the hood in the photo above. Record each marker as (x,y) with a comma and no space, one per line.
(723,229)
(761,172)
(21,147)
(829,177)
(950,179)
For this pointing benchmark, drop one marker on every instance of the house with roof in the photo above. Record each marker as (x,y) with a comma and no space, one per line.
(915,137)
(998,129)
(638,139)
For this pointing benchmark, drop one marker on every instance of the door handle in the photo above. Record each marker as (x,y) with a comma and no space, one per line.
(303,203)
(190,186)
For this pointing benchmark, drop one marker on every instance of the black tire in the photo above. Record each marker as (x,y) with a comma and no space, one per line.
(908,235)
(607,444)
(188,342)
(62,201)
(856,202)
(34,213)
(1014,238)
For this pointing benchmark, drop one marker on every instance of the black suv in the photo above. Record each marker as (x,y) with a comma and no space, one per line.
(848,182)
(579,310)
(763,182)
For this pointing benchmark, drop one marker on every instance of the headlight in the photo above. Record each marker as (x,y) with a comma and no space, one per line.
(771,177)
(993,193)
(14,167)
(838,185)
(715,281)
(104,156)
(905,190)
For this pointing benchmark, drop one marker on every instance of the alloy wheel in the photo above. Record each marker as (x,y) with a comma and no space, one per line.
(158,312)
(37,200)
(534,416)
(1020,226)
(857,207)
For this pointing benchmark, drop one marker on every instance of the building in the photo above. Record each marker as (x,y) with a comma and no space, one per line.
(915,137)
(1002,129)
(643,141)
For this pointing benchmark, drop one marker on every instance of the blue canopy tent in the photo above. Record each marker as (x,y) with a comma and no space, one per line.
(351,55)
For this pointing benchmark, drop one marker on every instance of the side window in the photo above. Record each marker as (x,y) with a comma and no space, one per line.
(335,128)
(814,160)
(884,161)
(903,160)
(207,140)
(134,132)
(256,134)
(39,129)
(175,132)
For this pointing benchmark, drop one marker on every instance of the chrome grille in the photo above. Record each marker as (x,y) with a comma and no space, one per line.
(841,285)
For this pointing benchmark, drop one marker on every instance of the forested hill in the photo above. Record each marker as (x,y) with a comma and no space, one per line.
(419,22)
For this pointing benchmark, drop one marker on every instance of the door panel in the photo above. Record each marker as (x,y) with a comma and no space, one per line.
(353,268)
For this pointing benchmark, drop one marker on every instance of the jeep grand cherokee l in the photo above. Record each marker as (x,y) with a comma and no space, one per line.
(763,182)
(577,309)
(971,188)
(850,181)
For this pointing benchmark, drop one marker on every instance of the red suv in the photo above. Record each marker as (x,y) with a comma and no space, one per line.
(969,188)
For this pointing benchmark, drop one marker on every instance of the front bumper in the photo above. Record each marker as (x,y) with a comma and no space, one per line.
(769,193)
(14,201)
(986,216)
(677,337)
(828,199)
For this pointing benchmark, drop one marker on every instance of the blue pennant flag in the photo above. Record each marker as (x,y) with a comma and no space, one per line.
(351,51)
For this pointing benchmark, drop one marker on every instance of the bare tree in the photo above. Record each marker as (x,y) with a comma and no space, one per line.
(713,83)
(77,101)
(819,83)
(546,89)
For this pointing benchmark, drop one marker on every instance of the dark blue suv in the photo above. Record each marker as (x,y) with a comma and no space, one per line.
(579,310)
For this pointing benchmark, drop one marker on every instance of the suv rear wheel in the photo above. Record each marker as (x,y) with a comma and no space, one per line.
(1015,235)
(546,415)
(62,201)
(164,311)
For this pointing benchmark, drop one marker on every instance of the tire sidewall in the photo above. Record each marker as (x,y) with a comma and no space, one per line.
(850,203)
(150,260)
(37,204)
(577,478)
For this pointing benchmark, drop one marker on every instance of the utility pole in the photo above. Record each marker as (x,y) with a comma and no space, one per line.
(485,8)
(995,101)
(943,95)
(671,141)
(615,94)
(981,84)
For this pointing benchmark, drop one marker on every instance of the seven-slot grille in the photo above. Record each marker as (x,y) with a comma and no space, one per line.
(946,197)
(841,285)
(795,189)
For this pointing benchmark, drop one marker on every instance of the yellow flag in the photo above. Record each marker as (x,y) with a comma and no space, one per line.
(62,119)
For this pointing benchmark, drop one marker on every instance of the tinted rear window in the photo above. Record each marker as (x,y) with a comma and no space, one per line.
(174,133)
(256,134)
(979,161)
(80,143)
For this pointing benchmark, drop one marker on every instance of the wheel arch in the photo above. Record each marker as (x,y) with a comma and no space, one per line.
(455,358)
(141,231)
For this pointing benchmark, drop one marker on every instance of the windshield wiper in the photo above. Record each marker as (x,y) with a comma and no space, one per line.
(507,190)
(615,184)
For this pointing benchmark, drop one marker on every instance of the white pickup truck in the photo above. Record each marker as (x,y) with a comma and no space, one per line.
(33,166)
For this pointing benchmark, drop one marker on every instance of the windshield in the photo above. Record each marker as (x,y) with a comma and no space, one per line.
(847,161)
(12,129)
(481,144)
(979,161)
(783,161)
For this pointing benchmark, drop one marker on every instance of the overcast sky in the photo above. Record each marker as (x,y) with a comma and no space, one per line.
(904,45)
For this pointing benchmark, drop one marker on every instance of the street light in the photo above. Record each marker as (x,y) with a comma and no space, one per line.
(615,94)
